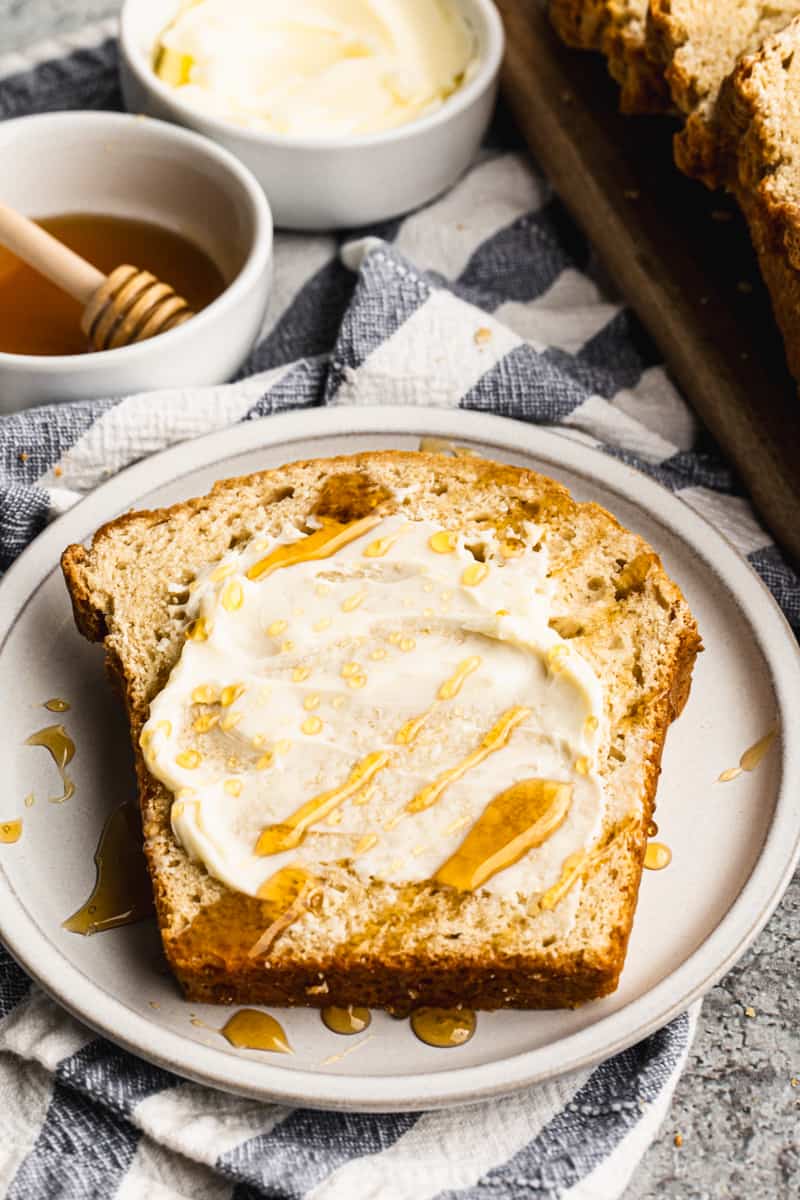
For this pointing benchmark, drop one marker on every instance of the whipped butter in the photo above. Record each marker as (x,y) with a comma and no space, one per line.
(318,68)
(381,693)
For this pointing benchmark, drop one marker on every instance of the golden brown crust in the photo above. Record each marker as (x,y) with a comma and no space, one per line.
(699,148)
(220,968)
(617,29)
(757,114)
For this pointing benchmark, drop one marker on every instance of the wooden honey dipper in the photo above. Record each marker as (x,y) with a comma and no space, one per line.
(119,309)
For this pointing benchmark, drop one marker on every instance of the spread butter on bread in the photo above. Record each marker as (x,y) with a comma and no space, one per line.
(397,721)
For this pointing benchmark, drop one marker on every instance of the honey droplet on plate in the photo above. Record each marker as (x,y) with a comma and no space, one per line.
(10,831)
(56,704)
(122,893)
(443,1027)
(347,1021)
(249,1029)
(657,856)
(61,748)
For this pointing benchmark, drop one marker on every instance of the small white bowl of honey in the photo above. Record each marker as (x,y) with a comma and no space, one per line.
(122,189)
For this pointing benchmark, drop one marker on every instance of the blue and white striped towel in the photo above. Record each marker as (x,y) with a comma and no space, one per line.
(388,318)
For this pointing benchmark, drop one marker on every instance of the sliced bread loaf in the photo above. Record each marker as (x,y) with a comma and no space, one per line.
(618,29)
(698,43)
(760,116)
(335,933)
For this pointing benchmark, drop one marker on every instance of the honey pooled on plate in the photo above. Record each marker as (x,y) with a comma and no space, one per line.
(250,1029)
(38,318)
(443,1027)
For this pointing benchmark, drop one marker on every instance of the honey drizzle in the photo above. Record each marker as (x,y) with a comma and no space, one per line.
(122,893)
(61,748)
(287,890)
(494,740)
(750,759)
(322,543)
(443,1027)
(249,1029)
(336,1058)
(437,445)
(452,686)
(346,1021)
(382,546)
(514,822)
(10,831)
(290,833)
(579,864)
(57,705)
(448,691)
(754,754)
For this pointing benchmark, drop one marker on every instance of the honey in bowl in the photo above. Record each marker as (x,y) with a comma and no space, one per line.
(38,318)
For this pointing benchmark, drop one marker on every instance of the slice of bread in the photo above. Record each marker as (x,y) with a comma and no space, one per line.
(357,941)
(618,28)
(698,43)
(760,117)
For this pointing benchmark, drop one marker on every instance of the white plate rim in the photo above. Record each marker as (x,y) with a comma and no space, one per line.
(648,1012)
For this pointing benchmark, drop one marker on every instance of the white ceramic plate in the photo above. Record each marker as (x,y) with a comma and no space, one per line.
(734,844)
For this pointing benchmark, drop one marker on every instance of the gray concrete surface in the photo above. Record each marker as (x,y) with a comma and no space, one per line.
(735,1109)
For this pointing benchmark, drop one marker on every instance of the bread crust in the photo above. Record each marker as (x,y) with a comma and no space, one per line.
(617,28)
(216,972)
(756,115)
(684,36)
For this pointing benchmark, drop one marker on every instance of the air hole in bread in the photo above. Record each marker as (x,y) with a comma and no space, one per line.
(239,539)
(531,508)
(566,627)
(477,550)
(596,584)
(638,673)
(284,493)
(615,752)
(439,489)
(349,496)
(787,62)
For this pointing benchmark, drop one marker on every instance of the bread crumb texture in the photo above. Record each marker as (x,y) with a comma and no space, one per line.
(368,942)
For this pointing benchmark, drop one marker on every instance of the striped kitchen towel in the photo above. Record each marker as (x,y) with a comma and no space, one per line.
(487,299)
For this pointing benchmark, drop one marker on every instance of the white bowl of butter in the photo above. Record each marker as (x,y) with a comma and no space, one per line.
(347,111)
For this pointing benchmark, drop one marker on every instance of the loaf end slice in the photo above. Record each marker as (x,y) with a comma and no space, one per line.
(760,116)
(366,942)
(617,28)
(698,45)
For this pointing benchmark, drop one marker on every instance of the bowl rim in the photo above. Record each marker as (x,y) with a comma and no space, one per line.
(484,77)
(255,264)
